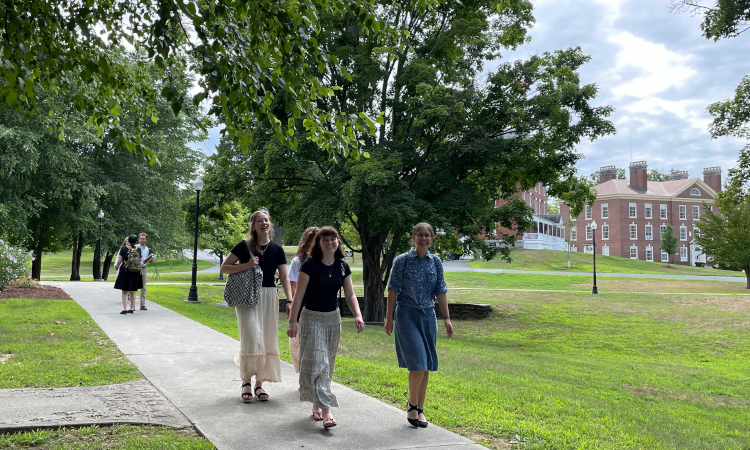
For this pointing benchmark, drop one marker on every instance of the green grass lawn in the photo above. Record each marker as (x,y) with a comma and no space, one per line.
(58,264)
(548,260)
(563,370)
(55,343)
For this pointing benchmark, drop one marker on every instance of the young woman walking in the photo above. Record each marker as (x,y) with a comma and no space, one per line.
(320,278)
(259,324)
(128,282)
(416,280)
(303,249)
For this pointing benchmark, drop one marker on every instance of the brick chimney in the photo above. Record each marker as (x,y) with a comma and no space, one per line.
(639,175)
(607,173)
(679,175)
(712,177)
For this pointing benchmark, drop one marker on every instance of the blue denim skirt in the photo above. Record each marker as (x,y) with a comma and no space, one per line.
(416,338)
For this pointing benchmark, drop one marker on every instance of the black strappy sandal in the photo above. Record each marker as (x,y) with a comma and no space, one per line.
(247,397)
(263,399)
(410,408)
(421,424)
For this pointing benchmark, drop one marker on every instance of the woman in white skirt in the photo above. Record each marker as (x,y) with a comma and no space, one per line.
(303,249)
(320,278)
(259,324)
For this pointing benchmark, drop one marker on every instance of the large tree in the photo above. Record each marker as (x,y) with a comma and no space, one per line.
(244,53)
(669,243)
(448,142)
(725,237)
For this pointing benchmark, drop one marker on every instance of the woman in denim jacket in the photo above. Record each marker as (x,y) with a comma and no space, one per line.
(416,280)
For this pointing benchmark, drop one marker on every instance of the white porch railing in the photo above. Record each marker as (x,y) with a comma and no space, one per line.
(543,241)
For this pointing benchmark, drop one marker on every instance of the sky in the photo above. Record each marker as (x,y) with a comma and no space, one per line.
(654,67)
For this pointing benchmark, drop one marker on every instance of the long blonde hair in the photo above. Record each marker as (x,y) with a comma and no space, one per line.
(252,239)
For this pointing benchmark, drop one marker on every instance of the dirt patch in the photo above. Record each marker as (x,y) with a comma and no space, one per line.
(42,292)
(494,442)
(5,357)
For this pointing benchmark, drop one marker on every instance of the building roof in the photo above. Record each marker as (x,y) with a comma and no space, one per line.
(655,188)
(554,218)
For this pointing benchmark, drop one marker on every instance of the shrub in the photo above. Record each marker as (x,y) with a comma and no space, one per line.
(14,263)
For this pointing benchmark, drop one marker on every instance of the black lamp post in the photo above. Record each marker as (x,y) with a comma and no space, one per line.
(193,295)
(98,266)
(593,233)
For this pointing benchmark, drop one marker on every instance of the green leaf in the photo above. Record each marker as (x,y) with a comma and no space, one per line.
(11,98)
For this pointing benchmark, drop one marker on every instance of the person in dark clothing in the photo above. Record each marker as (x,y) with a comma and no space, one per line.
(128,282)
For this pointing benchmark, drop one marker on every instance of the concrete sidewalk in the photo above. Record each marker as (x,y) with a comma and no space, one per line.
(192,365)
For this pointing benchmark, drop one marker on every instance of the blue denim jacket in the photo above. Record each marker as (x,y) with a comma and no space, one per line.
(416,280)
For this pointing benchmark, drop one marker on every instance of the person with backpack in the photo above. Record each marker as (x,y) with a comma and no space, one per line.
(129,278)
(321,276)
(416,281)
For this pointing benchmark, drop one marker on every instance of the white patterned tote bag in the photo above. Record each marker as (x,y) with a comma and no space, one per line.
(243,288)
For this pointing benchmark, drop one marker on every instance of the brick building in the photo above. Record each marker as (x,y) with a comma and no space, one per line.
(631,214)
(548,231)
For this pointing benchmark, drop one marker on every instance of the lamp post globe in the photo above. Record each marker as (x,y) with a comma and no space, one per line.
(594,290)
(193,294)
(98,268)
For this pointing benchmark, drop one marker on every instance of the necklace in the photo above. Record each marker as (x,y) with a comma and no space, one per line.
(263,247)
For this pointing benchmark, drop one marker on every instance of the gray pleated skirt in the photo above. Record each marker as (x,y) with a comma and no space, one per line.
(320,333)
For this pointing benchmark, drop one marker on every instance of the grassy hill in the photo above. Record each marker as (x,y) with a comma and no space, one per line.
(552,260)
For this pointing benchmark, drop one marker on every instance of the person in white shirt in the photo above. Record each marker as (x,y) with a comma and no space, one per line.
(145,253)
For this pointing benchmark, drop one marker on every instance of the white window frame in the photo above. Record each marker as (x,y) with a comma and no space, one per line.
(632,211)
(683,212)
(649,232)
(633,255)
(605,232)
(696,231)
(573,234)
(648,211)
(589,212)
(589,233)
(633,231)
(695,191)
(662,211)
(605,210)
(683,254)
(696,212)
(605,250)
(662,229)
(683,233)
(664,256)
(650,254)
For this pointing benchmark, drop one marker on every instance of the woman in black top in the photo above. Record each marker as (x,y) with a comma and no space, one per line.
(128,282)
(259,324)
(320,278)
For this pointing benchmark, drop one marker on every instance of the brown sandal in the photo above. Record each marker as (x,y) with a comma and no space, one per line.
(329,423)
(317,415)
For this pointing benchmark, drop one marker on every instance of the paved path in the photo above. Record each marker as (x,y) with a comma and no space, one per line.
(192,365)
(137,402)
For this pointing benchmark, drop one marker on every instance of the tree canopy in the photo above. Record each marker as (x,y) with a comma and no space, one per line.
(669,243)
(725,237)
(447,144)
(244,54)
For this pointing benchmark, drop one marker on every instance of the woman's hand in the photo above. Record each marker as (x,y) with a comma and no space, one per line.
(359,323)
(448,327)
(254,261)
(388,326)
(291,331)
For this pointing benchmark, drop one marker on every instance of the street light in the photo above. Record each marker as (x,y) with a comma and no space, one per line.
(193,294)
(98,267)
(593,233)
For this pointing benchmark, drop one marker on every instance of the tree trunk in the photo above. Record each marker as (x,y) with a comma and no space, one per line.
(221,261)
(97,264)
(372,275)
(107,264)
(747,276)
(75,264)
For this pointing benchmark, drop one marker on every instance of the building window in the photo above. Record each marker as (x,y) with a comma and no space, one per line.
(664,256)
(696,212)
(695,191)
(574,249)
(650,254)
(588,249)
(647,211)
(588,212)
(634,252)
(605,231)
(663,211)
(605,250)
(696,231)
(632,210)
(649,233)
(683,233)
(573,234)
(605,211)
(633,231)
(683,212)
(589,233)
(662,229)
(683,253)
